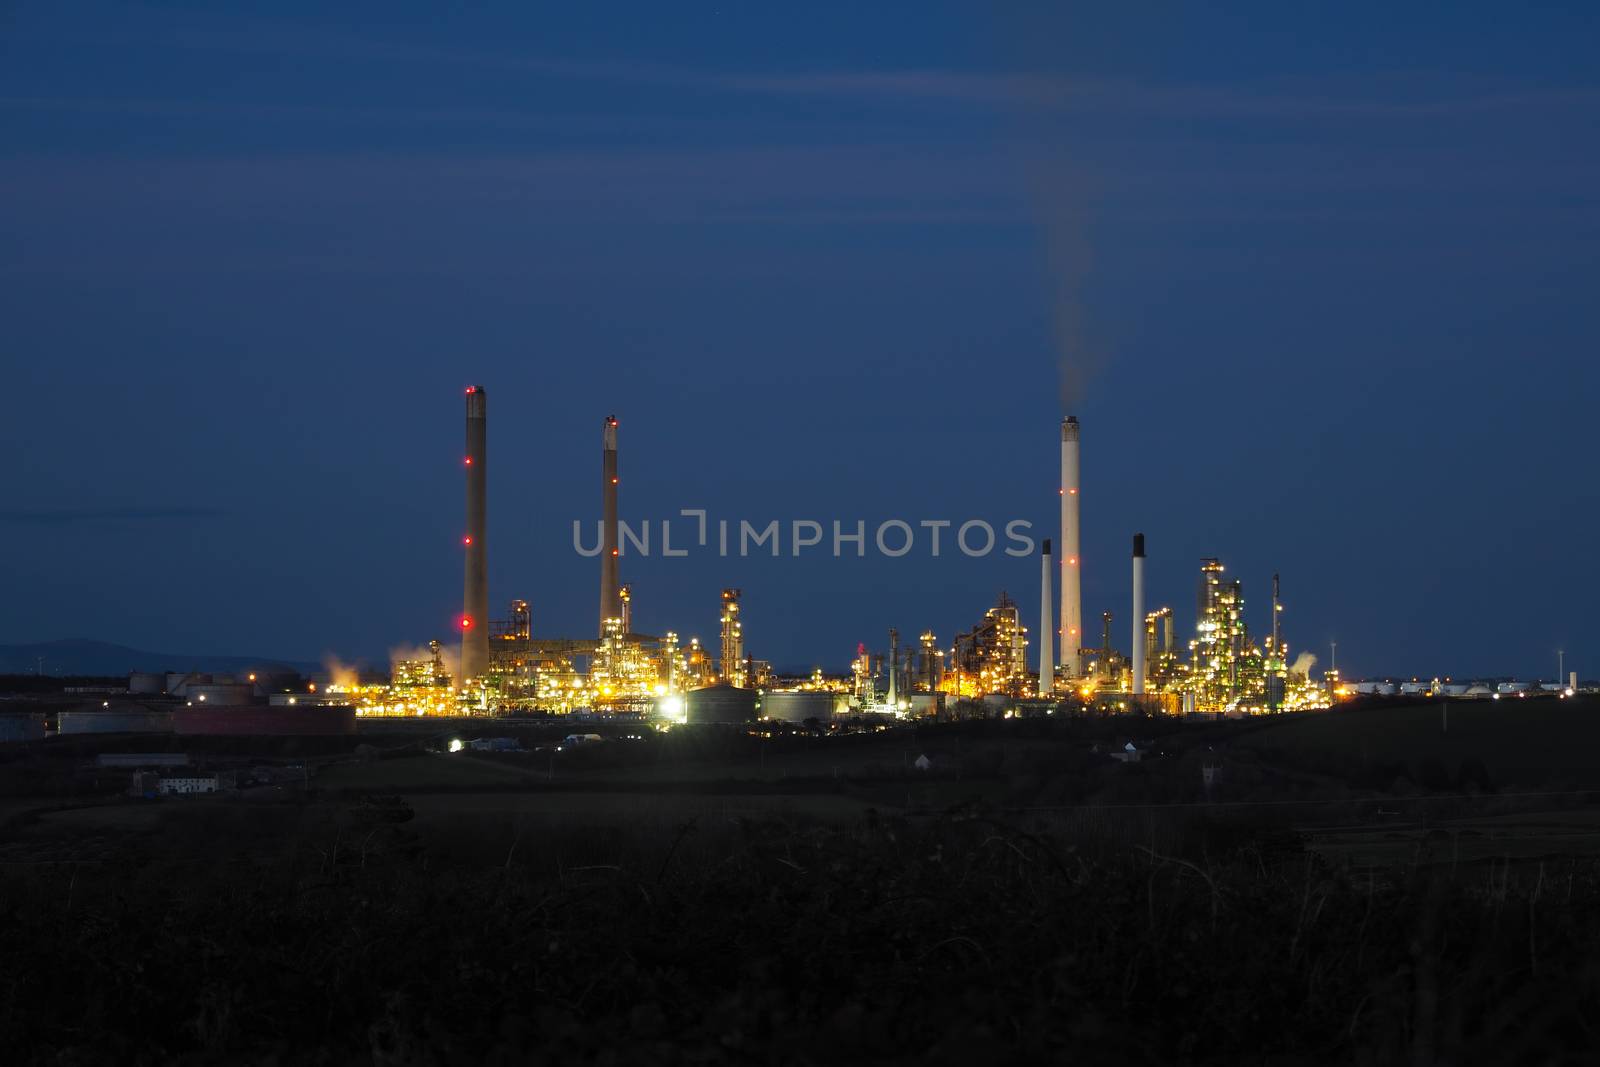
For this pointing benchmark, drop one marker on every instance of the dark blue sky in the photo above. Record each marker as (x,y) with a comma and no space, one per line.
(1324,275)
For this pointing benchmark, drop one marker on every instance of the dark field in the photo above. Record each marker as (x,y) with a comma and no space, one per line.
(1355,889)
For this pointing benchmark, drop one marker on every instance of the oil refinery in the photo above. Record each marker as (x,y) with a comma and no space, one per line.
(984,671)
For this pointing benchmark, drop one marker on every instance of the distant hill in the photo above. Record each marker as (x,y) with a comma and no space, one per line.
(80,656)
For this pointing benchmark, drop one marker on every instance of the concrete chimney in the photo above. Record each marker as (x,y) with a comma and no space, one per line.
(1071,591)
(1138,614)
(1047,628)
(610,588)
(475,598)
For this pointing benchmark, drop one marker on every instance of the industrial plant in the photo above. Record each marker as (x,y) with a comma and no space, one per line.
(985,671)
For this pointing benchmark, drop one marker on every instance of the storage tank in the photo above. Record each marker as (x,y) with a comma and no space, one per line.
(926,705)
(21,727)
(1454,689)
(228,694)
(797,707)
(261,721)
(177,681)
(996,704)
(720,703)
(148,684)
(131,721)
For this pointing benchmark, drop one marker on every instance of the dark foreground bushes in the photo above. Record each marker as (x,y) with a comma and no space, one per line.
(963,941)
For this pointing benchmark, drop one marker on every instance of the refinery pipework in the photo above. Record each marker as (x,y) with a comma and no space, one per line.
(475,598)
(1071,591)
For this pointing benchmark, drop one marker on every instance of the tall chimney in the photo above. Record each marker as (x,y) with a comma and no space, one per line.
(610,594)
(475,598)
(1138,614)
(1047,629)
(894,670)
(1071,593)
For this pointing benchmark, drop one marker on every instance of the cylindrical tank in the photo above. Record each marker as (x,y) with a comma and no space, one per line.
(178,680)
(260,721)
(996,703)
(21,727)
(147,683)
(797,707)
(720,703)
(229,694)
(926,705)
(132,721)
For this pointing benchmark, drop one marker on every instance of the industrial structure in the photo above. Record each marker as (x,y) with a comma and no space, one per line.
(1071,576)
(733,663)
(1047,655)
(610,550)
(1137,641)
(504,667)
(475,599)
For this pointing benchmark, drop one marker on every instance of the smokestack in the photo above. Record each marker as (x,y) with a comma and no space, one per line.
(1277,619)
(610,594)
(475,597)
(1071,593)
(894,669)
(1138,614)
(1047,629)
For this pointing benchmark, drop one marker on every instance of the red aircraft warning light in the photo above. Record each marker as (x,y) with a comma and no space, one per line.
(466,622)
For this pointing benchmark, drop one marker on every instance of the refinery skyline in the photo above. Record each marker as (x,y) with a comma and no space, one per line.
(857,288)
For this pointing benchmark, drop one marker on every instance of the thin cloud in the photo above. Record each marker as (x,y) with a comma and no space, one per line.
(67,516)
(1408,96)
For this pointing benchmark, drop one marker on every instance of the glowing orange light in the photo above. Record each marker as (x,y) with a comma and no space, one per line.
(613,481)
(615,552)
(1073,491)
(1073,561)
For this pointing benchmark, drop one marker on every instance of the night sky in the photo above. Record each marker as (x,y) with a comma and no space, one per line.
(1321,278)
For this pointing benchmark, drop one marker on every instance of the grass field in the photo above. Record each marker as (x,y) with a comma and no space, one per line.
(1519,742)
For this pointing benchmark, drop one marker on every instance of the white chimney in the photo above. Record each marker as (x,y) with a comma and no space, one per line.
(1071,592)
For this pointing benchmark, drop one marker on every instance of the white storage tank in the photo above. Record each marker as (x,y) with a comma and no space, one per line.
(797,707)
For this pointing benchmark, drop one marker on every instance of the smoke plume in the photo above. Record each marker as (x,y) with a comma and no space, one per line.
(340,673)
(1302,664)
